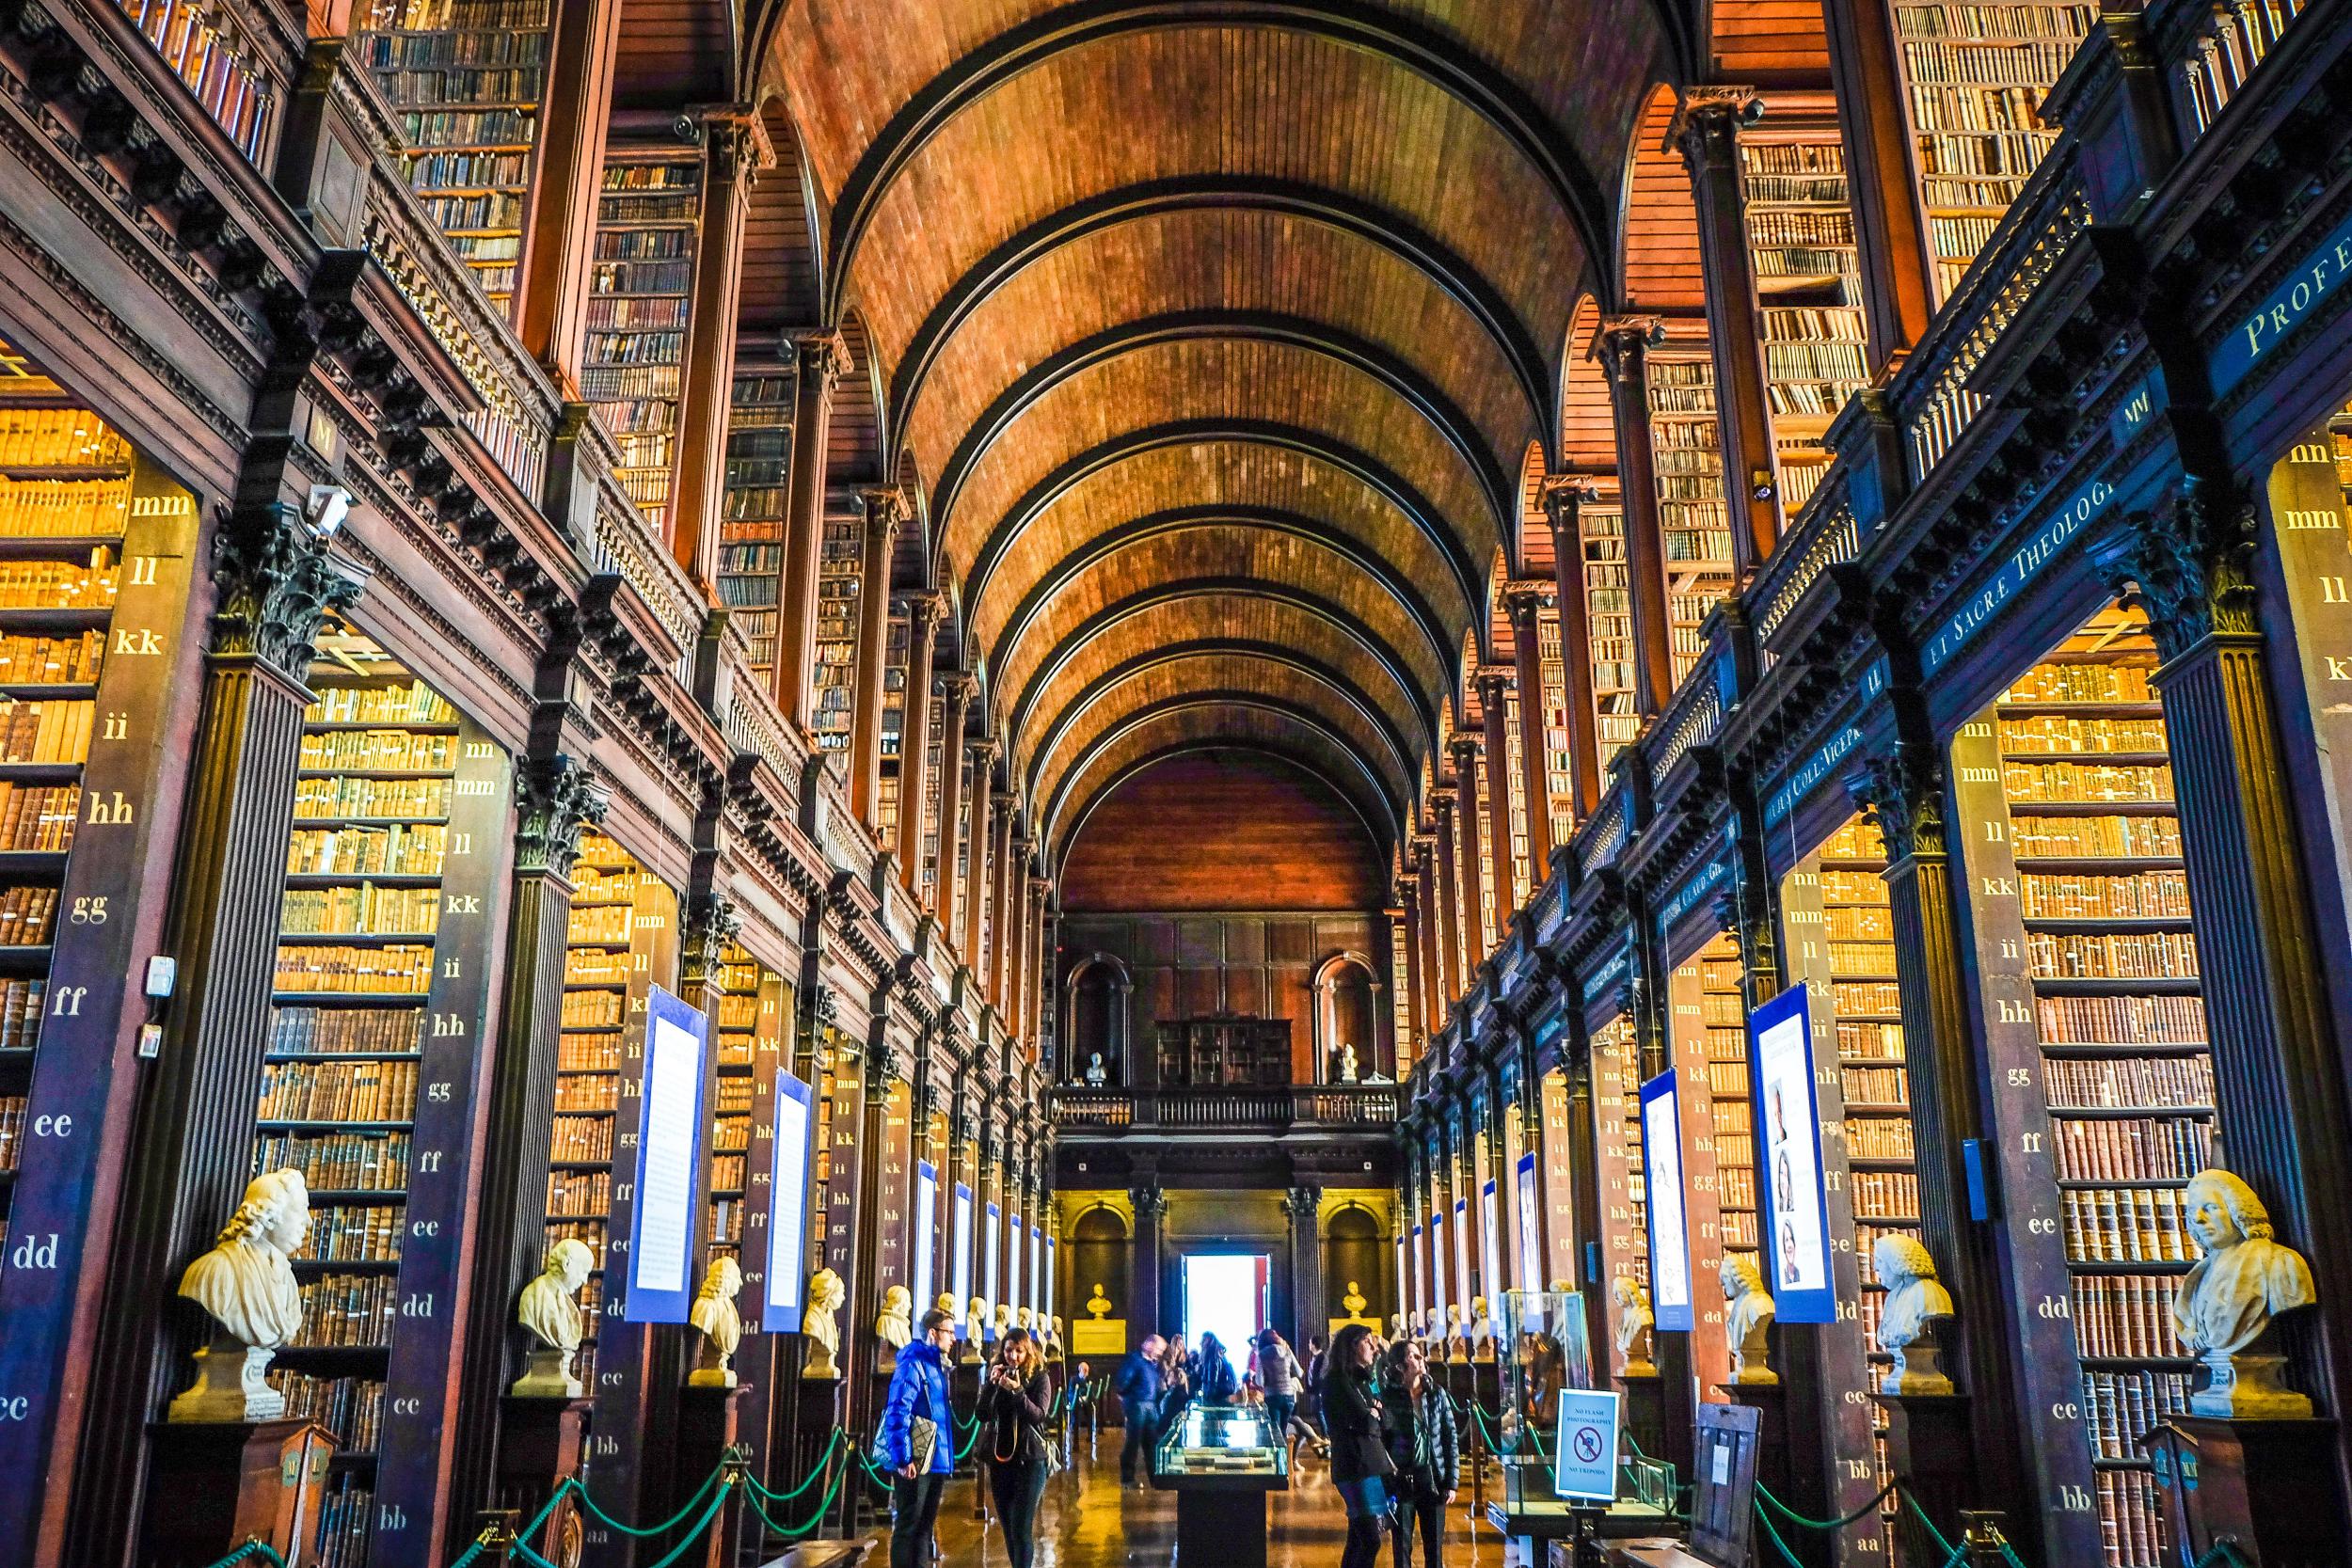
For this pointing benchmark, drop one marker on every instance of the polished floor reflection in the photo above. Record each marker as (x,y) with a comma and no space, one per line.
(1088,1522)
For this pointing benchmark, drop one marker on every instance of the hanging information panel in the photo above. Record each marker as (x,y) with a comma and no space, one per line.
(926,1207)
(1796,1234)
(962,1275)
(1661,1178)
(669,1158)
(795,1156)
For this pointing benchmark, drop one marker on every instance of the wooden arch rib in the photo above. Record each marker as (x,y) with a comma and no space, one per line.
(1334,454)
(1208,654)
(1400,378)
(1406,43)
(1390,230)
(1101,547)
(1204,595)
(1297,736)
(1153,685)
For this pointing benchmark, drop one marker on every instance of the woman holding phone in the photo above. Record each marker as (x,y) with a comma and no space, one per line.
(1015,1405)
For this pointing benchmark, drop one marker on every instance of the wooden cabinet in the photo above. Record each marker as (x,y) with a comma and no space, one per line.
(1224,1050)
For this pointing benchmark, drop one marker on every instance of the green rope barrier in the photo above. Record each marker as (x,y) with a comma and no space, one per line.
(1951,1553)
(969,1441)
(531,1556)
(2009,1555)
(471,1552)
(1794,1518)
(823,1461)
(252,1549)
(1766,1520)
(2223,1553)
(824,1508)
(662,1528)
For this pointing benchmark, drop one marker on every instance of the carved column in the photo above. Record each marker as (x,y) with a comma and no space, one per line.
(1033,966)
(1705,128)
(737,153)
(1535,751)
(823,359)
(2278,1078)
(1432,937)
(1564,504)
(1307,1307)
(960,690)
(1450,932)
(1000,935)
(192,1135)
(976,885)
(885,509)
(1494,687)
(1464,749)
(916,783)
(1906,794)
(555,799)
(1624,346)
(1151,1212)
(550,305)
(1889,235)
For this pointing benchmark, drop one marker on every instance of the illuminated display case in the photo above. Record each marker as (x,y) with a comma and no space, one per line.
(1544,1345)
(1214,1444)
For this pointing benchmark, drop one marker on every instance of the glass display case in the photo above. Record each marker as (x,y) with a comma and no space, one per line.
(1543,1346)
(1209,1443)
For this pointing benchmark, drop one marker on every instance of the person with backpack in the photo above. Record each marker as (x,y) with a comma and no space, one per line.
(1360,1467)
(1217,1382)
(916,1440)
(1425,1446)
(1140,1393)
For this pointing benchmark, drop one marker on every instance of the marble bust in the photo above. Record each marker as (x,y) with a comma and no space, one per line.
(1004,1321)
(247,1283)
(1098,1304)
(1025,1318)
(825,1296)
(1348,1065)
(713,1315)
(1352,1300)
(977,1329)
(946,1302)
(1096,1077)
(1635,1327)
(1457,1347)
(1420,1324)
(1747,1323)
(549,1308)
(1396,1325)
(1053,1338)
(1916,1301)
(895,1328)
(2228,1301)
(1482,1330)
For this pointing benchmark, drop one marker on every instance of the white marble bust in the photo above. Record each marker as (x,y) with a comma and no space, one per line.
(1747,1324)
(1353,1301)
(548,1309)
(1482,1330)
(2228,1301)
(1098,1304)
(1096,1077)
(714,1316)
(1457,1347)
(946,1302)
(1635,1327)
(1025,1318)
(1004,1321)
(894,1330)
(247,1283)
(1915,1303)
(1052,1336)
(1396,1325)
(1420,1324)
(1349,1068)
(825,1296)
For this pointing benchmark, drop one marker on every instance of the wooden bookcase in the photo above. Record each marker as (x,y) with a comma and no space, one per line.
(1224,1051)
(1808,283)
(1973,77)
(1517,803)
(464,79)
(751,533)
(839,580)
(886,793)
(640,286)
(1609,598)
(2097,1036)
(934,731)
(1617,1163)
(379,1008)
(1692,514)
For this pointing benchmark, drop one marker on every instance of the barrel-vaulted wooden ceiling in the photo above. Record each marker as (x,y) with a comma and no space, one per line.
(1216,334)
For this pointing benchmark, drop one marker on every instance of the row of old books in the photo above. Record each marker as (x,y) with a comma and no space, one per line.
(400,969)
(364,908)
(347,1309)
(2131,1149)
(378,751)
(2122,1083)
(389,849)
(344,1031)
(2126,1225)
(46,732)
(338,1161)
(355,1233)
(57,438)
(365,1090)
(345,796)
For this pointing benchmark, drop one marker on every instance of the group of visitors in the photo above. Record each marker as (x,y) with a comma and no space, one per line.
(1396,1452)
(916,1439)
(1157,1381)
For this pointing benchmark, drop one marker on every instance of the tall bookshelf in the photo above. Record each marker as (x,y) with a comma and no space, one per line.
(399,805)
(1617,1148)
(736,1032)
(1694,516)
(640,284)
(934,733)
(1559,761)
(464,79)
(1514,768)
(2065,796)
(1714,974)
(751,533)
(839,577)
(1808,283)
(894,718)
(1973,76)
(1609,598)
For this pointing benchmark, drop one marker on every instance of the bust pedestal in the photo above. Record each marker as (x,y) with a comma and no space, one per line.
(706,1430)
(2269,1484)
(541,1440)
(1645,1410)
(816,1410)
(1929,1445)
(216,1484)
(1777,1465)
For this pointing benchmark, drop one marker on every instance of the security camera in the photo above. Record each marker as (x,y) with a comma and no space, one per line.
(325,512)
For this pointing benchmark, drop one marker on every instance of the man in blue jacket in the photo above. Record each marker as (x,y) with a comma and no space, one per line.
(1138,1391)
(918,1391)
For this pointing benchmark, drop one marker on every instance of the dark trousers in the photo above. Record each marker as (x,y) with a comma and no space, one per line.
(1367,1502)
(914,1515)
(1138,1443)
(1424,1511)
(1018,1488)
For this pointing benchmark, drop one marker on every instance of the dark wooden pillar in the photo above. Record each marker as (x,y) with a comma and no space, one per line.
(1000,879)
(1623,345)
(975,883)
(737,151)
(1408,916)
(1465,749)
(1705,128)
(1151,1214)
(192,1136)
(550,307)
(1494,687)
(960,690)
(885,509)
(823,359)
(1433,990)
(1451,935)
(916,782)
(1876,132)
(556,798)
(2277,1069)
(1906,794)
(1308,1312)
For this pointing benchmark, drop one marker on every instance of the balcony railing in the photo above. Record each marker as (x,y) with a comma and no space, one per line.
(1275,1108)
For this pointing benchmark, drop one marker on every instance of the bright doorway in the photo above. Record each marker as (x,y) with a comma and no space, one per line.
(1225,1295)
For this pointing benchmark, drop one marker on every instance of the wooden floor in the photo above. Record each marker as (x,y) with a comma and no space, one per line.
(1088,1522)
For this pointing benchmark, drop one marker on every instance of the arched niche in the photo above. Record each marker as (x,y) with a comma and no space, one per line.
(1355,1247)
(1100,1254)
(1349,995)
(1097,999)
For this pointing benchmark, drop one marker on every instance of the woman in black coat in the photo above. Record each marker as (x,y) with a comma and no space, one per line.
(1359,1457)
(1015,1405)
(1425,1446)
